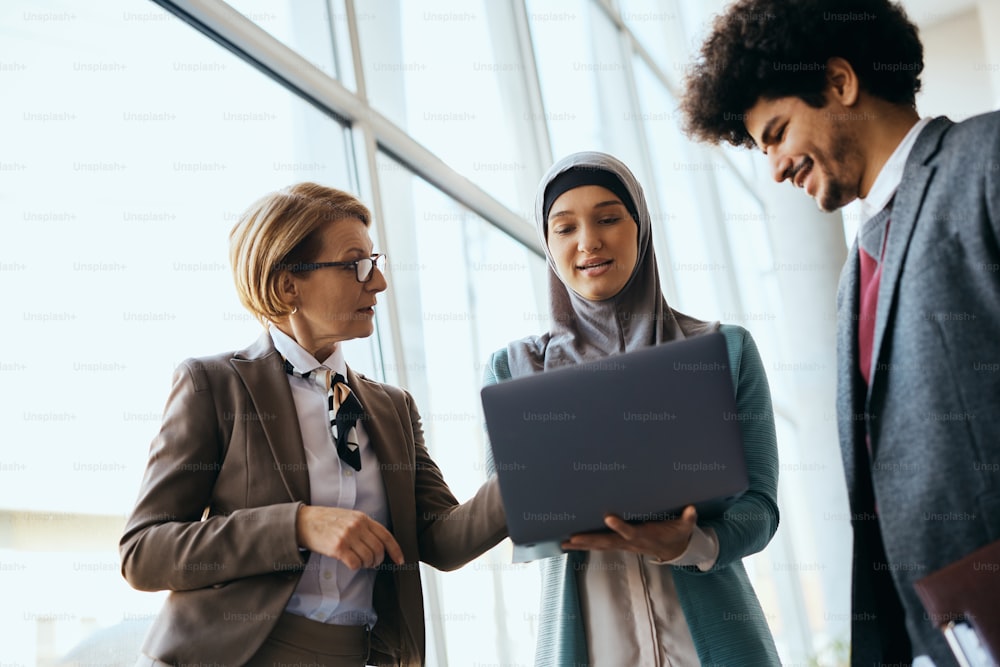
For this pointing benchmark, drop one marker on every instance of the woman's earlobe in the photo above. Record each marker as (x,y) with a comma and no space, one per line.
(288,291)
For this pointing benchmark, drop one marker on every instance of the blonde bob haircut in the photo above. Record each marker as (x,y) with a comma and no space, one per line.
(281,230)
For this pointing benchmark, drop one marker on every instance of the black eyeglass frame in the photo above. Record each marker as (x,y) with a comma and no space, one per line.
(378,261)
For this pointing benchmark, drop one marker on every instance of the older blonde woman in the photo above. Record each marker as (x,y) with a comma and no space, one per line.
(288,499)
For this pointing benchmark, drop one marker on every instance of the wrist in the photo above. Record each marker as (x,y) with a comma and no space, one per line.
(670,555)
(299,527)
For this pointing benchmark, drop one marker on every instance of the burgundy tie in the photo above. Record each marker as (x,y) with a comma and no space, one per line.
(871,250)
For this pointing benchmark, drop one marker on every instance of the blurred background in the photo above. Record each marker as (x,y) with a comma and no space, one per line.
(133,133)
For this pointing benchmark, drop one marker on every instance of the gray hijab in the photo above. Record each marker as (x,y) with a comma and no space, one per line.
(585,330)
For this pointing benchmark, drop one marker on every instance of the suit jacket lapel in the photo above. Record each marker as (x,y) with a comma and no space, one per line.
(393,448)
(264,377)
(906,207)
(385,434)
(850,399)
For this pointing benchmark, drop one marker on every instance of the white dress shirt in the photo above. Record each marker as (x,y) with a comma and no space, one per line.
(630,605)
(888,179)
(329,591)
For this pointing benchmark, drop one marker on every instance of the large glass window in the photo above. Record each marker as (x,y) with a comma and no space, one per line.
(451,75)
(462,289)
(316,29)
(687,257)
(131,144)
(583,69)
(658,27)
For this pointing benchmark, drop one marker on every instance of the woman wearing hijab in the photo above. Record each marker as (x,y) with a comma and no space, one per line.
(662,592)
(288,499)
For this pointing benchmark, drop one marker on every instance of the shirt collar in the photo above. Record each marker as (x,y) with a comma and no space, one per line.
(302,360)
(888,179)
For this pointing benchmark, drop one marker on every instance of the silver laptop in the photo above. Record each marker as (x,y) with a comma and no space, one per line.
(640,435)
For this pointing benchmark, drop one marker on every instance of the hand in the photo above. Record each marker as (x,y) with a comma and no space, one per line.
(348,535)
(664,540)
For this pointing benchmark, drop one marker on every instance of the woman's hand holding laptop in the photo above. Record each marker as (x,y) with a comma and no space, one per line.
(663,540)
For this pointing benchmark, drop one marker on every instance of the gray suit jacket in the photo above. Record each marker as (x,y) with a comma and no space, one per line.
(215,519)
(931,489)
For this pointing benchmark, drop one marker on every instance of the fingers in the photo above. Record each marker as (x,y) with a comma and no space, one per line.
(620,526)
(348,557)
(651,537)
(595,541)
(389,543)
(347,535)
(359,550)
(631,531)
(359,545)
(374,542)
(690,515)
(578,543)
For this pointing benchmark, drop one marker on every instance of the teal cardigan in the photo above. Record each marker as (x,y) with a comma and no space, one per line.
(721,608)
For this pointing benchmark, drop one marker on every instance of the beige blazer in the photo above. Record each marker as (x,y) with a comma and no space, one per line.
(215,520)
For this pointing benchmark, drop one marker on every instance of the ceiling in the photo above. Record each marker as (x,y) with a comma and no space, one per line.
(929,12)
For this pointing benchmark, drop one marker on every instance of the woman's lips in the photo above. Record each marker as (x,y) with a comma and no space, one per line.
(594,269)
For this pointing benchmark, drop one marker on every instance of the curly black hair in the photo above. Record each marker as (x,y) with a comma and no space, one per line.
(778,48)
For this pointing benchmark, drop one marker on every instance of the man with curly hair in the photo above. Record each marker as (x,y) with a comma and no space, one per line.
(826,89)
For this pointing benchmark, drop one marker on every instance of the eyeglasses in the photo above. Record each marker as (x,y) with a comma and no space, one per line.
(363,268)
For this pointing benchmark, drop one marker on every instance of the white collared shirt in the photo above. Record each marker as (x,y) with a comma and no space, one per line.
(888,179)
(329,591)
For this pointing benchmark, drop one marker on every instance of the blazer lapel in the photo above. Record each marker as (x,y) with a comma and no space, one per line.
(850,400)
(264,377)
(906,207)
(394,451)
(385,434)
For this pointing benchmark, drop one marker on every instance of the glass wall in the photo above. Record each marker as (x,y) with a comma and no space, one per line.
(462,289)
(131,145)
(447,73)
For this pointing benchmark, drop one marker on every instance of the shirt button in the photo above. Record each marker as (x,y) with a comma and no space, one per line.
(328,575)
(349,472)
(319,616)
